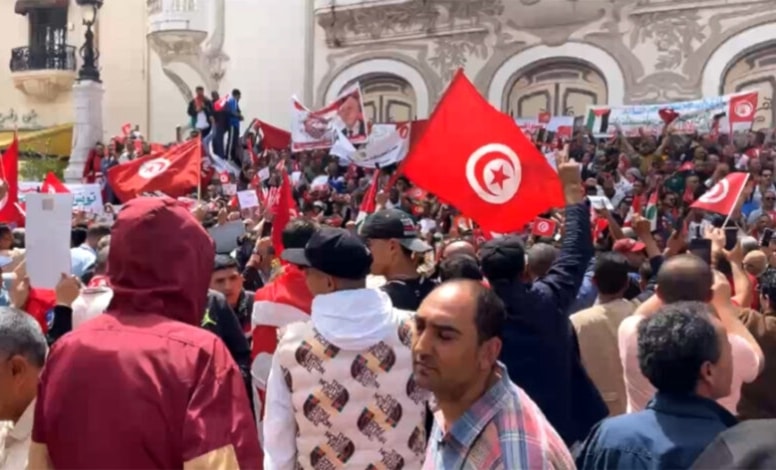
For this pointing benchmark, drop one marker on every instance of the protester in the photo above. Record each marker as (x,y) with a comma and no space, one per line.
(459,266)
(689,278)
(227,280)
(147,347)
(684,352)
(539,344)
(393,238)
(340,392)
(597,330)
(23,347)
(483,417)
(84,256)
(757,398)
(201,113)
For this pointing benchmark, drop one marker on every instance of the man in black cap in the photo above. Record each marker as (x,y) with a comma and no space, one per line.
(393,237)
(540,350)
(350,365)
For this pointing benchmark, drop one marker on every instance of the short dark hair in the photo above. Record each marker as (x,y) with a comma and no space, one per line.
(540,258)
(77,236)
(236,92)
(20,335)
(674,343)
(297,233)
(685,278)
(460,266)
(200,88)
(766,284)
(222,262)
(491,312)
(611,273)
(98,231)
(5,229)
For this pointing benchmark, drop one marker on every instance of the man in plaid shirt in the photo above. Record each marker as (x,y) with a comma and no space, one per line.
(483,420)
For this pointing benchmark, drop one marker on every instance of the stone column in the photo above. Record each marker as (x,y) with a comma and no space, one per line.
(87,131)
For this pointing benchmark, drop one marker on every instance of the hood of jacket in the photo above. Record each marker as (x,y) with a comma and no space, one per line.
(356,319)
(160,261)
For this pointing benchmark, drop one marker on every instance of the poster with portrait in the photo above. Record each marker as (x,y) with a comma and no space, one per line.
(316,129)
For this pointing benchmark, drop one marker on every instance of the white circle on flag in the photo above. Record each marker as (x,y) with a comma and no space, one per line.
(153,168)
(51,190)
(744,109)
(717,193)
(543,226)
(499,179)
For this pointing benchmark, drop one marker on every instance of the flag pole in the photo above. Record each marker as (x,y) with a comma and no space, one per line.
(199,186)
(738,200)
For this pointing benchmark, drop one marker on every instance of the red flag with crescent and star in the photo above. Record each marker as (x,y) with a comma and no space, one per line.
(474,157)
(722,197)
(175,172)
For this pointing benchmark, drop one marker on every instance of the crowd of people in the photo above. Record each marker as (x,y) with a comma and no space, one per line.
(410,338)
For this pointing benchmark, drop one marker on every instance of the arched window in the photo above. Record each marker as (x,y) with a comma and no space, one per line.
(755,70)
(387,98)
(560,87)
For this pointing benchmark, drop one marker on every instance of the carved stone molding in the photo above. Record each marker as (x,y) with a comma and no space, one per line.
(44,85)
(413,19)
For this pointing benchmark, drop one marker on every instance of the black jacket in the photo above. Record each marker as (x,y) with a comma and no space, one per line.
(222,321)
(207,108)
(540,349)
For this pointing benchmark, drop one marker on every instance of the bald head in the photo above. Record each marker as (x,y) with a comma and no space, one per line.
(459,247)
(755,262)
(685,278)
(470,298)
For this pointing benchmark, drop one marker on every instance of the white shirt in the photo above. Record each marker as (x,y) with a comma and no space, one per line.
(202,121)
(15,440)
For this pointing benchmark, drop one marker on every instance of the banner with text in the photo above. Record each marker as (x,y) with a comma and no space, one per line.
(724,114)
(316,129)
(87,197)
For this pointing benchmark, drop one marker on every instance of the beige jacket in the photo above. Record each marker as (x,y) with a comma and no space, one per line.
(596,329)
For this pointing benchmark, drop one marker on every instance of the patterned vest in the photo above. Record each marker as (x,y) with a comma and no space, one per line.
(354,409)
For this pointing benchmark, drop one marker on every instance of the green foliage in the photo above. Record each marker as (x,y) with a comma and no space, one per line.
(34,166)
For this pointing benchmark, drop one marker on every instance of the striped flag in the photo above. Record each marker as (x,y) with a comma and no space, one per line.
(651,212)
(598,120)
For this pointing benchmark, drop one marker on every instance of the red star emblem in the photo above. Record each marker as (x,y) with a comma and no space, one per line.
(499,177)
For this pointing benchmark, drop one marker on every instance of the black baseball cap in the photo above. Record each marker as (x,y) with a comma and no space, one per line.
(502,258)
(334,251)
(394,224)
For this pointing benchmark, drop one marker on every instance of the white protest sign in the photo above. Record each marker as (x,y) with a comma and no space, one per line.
(47,238)
(248,199)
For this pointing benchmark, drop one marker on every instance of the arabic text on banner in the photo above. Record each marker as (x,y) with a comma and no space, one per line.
(316,129)
(694,116)
(87,197)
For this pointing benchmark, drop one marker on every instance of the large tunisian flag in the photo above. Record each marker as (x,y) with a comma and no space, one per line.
(476,158)
(175,172)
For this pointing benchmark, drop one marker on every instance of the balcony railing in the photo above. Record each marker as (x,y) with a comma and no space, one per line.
(25,59)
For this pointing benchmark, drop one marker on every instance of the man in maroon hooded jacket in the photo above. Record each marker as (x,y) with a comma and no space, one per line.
(143,386)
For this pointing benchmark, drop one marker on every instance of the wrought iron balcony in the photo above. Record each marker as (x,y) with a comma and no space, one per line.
(25,59)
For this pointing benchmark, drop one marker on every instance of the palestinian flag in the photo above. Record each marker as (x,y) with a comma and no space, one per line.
(651,211)
(598,120)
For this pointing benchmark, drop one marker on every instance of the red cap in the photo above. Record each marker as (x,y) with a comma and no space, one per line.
(628,245)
